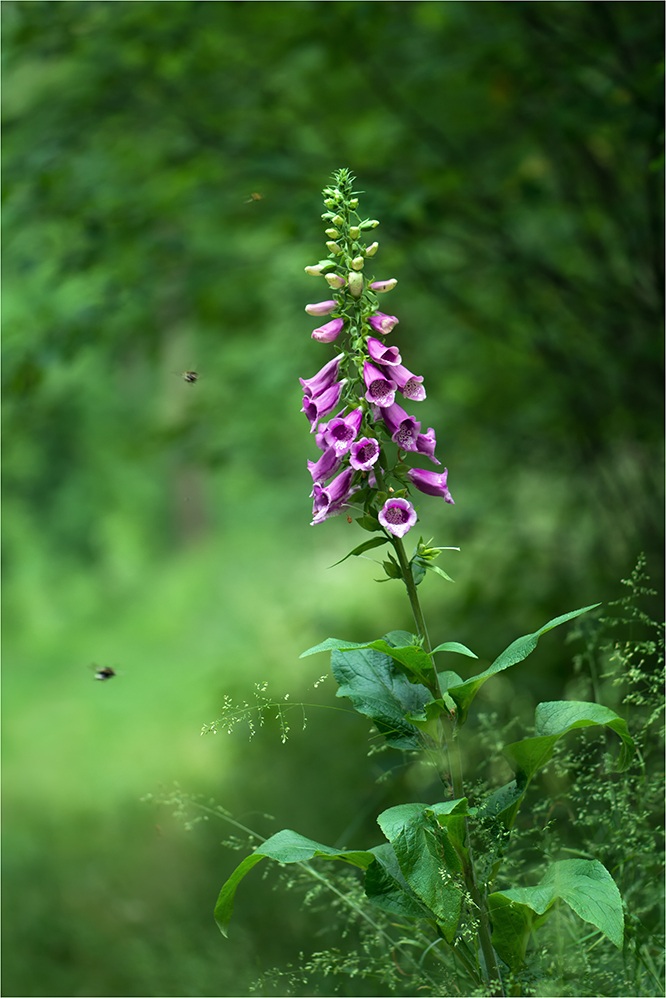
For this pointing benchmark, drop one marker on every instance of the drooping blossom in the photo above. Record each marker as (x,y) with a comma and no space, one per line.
(431,483)
(404,429)
(323,379)
(380,389)
(316,408)
(326,466)
(342,431)
(411,385)
(381,286)
(397,516)
(425,444)
(321,307)
(364,453)
(331,500)
(383,323)
(329,331)
(383,355)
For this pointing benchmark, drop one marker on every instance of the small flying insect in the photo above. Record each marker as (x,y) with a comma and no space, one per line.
(190,377)
(104,672)
(254,196)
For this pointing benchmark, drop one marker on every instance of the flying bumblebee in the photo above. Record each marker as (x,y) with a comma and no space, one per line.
(190,377)
(104,672)
(254,196)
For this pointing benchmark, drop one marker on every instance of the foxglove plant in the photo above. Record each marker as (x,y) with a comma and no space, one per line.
(431,868)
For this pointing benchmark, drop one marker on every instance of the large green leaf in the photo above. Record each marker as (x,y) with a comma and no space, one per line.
(555,719)
(401,646)
(516,652)
(284,847)
(386,886)
(375,687)
(584,884)
(428,855)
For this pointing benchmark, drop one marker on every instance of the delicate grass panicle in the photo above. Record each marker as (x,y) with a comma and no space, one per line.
(466,894)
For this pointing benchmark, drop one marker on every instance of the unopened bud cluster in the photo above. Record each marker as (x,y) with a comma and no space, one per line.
(351,402)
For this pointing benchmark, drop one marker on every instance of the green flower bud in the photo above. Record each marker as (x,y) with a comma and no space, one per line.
(315,271)
(334,248)
(354,232)
(334,281)
(339,220)
(332,233)
(353,203)
(329,202)
(355,284)
(357,263)
(372,249)
(369,223)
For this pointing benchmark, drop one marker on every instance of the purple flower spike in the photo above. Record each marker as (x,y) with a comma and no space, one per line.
(315,409)
(321,307)
(384,355)
(397,516)
(326,466)
(404,429)
(381,391)
(411,385)
(431,483)
(342,431)
(331,500)
(383,323)
(328,332)
(425,444)
(364,453)
(323,379)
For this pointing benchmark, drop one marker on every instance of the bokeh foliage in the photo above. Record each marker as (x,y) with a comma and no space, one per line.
(512,154)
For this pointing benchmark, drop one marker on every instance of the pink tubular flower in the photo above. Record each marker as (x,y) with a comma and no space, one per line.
(331,500)
(411,385)
(404,429)
(328,332)
(321,307)
(323,379)
(383,355)
(380,390)
(431,483)
(381,286)
(326,466)
(397,516)
(425,444)
(364,453)
(316,408)
(342,431)
(382,323)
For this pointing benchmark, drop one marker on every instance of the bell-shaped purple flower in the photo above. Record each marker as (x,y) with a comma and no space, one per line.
(431,483)
(331,500)
(404,429)
(384,355)
(316,408)
(321,307)
(329,331)
(383,323)
(397,516)
(364,453)
(381,390)
(323,379)
(326,466)
(342,431)
(425,444)
(411,385)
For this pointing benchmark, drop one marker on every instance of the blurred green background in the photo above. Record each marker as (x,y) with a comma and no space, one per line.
(512,154)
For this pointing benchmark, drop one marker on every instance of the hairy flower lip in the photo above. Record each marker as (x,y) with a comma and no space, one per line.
(321,307)
(342,431)
(323,379)
(364,453)
(397,516)
(380,389)
(431,483)
(404,429)
(383,323)
(316,408)
(329,331)
(389,356)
